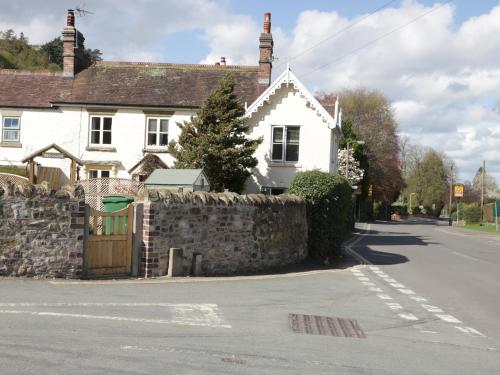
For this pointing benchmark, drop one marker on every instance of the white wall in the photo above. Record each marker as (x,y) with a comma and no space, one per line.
(69,128)
(288,107)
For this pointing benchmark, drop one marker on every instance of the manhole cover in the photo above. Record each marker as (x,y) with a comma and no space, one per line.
(325,325)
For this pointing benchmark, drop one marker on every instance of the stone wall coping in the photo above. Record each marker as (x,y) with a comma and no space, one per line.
(227,198)
(27,190)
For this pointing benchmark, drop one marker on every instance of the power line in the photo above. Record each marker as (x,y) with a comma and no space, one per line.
(337,33)
(373,41)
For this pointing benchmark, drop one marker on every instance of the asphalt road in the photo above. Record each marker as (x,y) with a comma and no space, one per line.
(418,307)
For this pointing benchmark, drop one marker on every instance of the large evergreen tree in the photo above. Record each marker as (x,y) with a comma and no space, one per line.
(215,140)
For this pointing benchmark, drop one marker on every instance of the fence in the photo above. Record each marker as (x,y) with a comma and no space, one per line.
(96,188)
(5,178)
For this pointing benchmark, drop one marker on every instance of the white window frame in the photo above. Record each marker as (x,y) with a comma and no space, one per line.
(18,129)
(284,143)
(101,130)
(158,132)
(99,172)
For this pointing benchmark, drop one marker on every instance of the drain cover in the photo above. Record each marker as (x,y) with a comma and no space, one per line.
(325,325)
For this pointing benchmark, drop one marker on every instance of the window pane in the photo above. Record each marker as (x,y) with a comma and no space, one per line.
(163,139)
(104,174)
(107,123)
(106,138)
(92,174)
(11,123)
(292,134)
(277,191)
(292,152)
(164,126)
(277,152)
(11,135)
(96,123)
(95,137)
(277,135)
(151,139)
(152,125)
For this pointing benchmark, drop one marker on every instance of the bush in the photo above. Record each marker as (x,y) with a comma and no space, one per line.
(416,210)
(329,211)
(471,214)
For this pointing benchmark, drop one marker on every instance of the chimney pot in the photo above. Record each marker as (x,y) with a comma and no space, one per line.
(70,19)
(267,22)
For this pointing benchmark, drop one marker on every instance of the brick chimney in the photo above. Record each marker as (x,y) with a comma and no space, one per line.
(73,47)
(266,53)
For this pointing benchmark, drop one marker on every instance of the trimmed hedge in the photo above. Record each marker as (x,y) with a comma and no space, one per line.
(329,211)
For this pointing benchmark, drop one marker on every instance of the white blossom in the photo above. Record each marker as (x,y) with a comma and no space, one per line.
(355,173)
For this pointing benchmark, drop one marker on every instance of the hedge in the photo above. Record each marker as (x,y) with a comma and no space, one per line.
(329,211)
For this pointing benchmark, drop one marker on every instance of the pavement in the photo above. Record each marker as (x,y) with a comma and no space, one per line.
(416,299)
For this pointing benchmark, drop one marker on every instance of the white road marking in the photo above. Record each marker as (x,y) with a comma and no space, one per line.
(408,316)
(397,285)
(207,315)
(428,331)
(384,296)
(383,275)
(448,318)
(406,291)
(418,299)
(367,283)
(394,306)
(390,280)
(363,279)
(470,331)
(431,308)
(374,289)
(374,268)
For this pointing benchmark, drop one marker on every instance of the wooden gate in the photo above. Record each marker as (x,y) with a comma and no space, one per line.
(108,245)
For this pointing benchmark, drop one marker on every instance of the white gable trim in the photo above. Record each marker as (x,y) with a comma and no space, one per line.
(288,78)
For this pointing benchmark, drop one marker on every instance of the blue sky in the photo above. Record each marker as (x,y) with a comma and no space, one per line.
(440,73)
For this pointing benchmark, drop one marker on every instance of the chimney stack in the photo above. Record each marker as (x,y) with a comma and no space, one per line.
(223,61)
(73,47)
(266,53)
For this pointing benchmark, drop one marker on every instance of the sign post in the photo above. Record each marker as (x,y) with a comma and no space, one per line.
(458,192)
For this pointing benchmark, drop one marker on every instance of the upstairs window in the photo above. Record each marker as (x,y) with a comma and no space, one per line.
(100,130)
(11,129)
(157,132)
(285,143)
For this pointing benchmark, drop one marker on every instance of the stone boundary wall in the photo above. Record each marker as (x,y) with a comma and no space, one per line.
(41,231)
(235,234)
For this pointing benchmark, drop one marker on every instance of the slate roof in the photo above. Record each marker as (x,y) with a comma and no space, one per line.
(28,89)
(126,84)
(173,177)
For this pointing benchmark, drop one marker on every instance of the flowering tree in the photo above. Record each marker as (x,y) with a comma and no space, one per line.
(355,173)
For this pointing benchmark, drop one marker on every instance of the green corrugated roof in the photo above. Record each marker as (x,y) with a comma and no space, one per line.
(173,177)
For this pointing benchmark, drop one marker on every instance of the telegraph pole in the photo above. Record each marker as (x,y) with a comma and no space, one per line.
(482,191)
(451,194)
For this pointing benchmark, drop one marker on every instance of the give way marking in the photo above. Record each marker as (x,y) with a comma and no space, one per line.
(205,315)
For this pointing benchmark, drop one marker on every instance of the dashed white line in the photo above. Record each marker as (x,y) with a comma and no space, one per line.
(391,280)
(374,268)
(384,296)
(406,291)
(418,298)
(397,285)
(363,279)
(431,308)
(394,306)
(408,316)
(448,318)
(470,331)
(375,289)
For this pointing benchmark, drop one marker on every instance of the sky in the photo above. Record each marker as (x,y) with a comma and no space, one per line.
(437,62)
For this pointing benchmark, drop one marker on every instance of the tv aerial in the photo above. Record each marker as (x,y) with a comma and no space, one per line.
(81,12)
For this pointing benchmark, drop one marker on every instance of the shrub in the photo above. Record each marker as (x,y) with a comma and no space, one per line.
(329,210)
(471,214)
(416,210)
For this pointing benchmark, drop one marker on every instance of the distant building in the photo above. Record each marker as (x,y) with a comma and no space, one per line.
(187,179)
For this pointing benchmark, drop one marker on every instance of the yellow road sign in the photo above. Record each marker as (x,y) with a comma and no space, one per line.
(458,191)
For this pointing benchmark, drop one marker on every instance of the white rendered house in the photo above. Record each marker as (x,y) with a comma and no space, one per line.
(109,115)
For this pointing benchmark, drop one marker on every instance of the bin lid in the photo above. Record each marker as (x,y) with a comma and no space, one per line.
(117,199)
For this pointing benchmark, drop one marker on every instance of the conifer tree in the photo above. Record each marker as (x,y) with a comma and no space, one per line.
(215,140)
